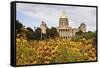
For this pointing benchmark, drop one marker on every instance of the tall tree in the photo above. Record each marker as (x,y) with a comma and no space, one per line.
(18,26)
(30,33)
(38,33)
(52,33)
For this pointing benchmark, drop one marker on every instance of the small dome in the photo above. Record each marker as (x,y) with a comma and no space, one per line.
(43,24)
(82,24)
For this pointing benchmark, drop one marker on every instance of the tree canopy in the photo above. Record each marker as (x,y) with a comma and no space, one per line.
(36,34)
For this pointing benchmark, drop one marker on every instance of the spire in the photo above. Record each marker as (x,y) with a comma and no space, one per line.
(63,15)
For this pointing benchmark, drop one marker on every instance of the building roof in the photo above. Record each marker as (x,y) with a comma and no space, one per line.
(82,24)
(63,15)
(43,24)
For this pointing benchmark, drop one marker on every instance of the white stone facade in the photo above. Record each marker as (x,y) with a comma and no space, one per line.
(65,30)
(43,27)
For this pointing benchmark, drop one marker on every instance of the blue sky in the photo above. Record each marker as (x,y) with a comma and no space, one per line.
(31,15)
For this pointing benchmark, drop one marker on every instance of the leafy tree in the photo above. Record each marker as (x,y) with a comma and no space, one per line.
(29,29)
(18,26)
(38,33)
(79,32)
(52,33)
(87,35)
(30,33)
(90,35)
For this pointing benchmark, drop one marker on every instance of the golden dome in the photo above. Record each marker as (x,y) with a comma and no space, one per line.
(63,15)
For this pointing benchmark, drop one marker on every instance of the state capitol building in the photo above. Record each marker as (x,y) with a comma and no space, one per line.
(64,29)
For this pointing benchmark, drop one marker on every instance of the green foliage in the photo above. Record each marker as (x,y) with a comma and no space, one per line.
(18,27)
(35,35)
(30,33)
(90,35)
(38,33)
(79,32)
(52,33)
(87,35)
